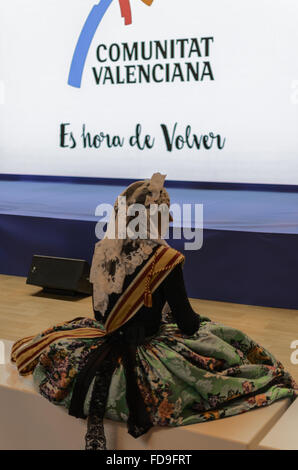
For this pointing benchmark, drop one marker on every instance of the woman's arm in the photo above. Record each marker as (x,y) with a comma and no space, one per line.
(174,288)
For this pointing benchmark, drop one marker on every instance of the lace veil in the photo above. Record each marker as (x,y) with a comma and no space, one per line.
(114,258)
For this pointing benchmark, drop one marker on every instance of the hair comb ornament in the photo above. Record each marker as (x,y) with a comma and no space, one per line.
(155,186)
(88,32)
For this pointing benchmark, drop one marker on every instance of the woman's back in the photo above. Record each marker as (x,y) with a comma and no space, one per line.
(148,319)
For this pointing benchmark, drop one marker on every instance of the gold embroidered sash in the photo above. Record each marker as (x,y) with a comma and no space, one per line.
(26,351)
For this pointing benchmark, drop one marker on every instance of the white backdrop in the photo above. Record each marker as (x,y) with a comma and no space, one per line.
(251,102)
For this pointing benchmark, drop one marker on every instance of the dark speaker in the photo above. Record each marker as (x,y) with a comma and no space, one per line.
(60,275)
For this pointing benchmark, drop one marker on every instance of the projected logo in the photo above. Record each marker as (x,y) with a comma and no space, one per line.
(87,34)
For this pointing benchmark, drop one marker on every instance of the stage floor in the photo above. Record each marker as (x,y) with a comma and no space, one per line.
(25,310)
(249,211)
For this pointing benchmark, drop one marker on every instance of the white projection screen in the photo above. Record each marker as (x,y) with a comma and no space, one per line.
(212,84)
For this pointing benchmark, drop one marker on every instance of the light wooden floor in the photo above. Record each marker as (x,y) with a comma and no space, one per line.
(25,311)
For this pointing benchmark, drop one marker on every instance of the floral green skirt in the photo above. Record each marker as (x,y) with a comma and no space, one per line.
(183,380)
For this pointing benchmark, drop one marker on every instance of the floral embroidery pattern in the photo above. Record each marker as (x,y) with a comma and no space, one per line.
(215,373)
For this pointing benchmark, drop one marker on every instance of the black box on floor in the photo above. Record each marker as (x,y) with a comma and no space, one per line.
(60,275)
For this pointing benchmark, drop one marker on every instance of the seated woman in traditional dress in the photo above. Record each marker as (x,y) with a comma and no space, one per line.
(131,363)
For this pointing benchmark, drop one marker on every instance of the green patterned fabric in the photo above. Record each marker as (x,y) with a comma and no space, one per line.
(215,373)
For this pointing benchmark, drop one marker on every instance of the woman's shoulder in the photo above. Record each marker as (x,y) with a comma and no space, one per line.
(168,256)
